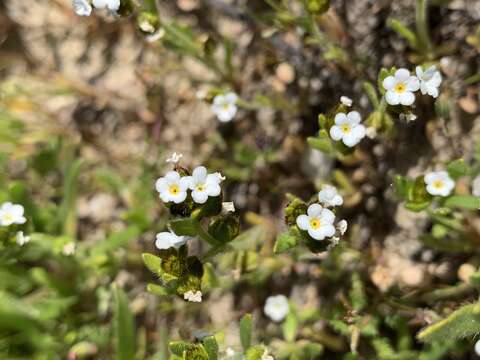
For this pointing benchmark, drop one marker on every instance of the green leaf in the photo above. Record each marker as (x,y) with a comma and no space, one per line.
(67,211)
(255,353)
(185,227)
(462,323)
(357,293)
(124,326)
(224,228)
(152,262)
(372,94)
(246,331)
(178,347)
(404,32)
(468,202)
(458,168)
(285,242)
(211,347)
(289,327)
(322,143)
(157,290)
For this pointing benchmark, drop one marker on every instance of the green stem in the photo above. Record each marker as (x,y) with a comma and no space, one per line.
(421,21)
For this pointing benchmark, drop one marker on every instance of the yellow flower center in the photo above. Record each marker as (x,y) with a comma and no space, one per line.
(174,189)
(438,184)
(200,187)
(315,224)
(7,218)
(400,88)
(346,128)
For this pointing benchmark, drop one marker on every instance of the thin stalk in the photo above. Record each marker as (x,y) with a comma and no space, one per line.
(421,21)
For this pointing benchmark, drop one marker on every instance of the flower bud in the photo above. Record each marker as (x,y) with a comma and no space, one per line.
(318,7)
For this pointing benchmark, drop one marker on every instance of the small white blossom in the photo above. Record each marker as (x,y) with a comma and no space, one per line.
(345,100)
(267,356)
(21,239)
(11,214)
(371,132)
(408,117)
(166,240)
(229,352)
(193,296)
(276,307)
(348,128)
(430,80)
(476,186)
(110,5)
(342,226)
(318,222)
(228,207)
(477,347)
(224,106)
(329,196)
(400,88)
(201,94)
(82,7)
(69,249)
(203,185)
(172,187)
(174,158)
(439,183)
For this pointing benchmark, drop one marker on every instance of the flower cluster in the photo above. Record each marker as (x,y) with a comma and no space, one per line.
(319,220)
(84,7)
(400,86)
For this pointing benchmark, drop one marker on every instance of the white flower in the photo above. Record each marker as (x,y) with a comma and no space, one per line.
(11,214)
(224,106)
(82,7)
(69,249)
(400,88)
(166,240)
(430,80)
(318,222)
(229,352)
(172,187)
(329,196)
(348,128)
(110,5)
(439,183)
(204,185)
(342,226)
(228,207)
(267,356)
(193,296)
(276,307)
(345,100)
(21,239)
(174,158)
(476,186)
(477,347)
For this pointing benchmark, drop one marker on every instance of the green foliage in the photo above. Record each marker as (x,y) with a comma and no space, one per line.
(124,326)
(246,331)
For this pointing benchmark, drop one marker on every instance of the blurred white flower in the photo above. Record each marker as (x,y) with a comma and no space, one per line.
(267,356)
(69,249)
(82,7)
(342,226)
(193,296)
(348,128)
(21,239)
(174,158)
(201,94)
(203,185)
(476,186)
(224,106)
(430,80)
(318,222)
(276,307)
(400,88)
(477,347)
(329,196)
(110,5)
(172,187)
(168,239)
(11,214)
(439,183)
(345,100)
(229,352)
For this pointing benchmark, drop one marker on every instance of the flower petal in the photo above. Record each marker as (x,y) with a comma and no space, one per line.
(392,97)
(407,98)
(402,74)
(314,210)
(303,222)
(389,82)
(336,133)
(354,117)
(200,197)
(327,217)
(172,177)
(199,175)
(413,84)
(341,118)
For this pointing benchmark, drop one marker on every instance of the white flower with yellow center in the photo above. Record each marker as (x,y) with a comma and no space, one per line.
(400,88)
(318,222)
(430,80)
(276,307)
(348,128)
(21,239)
(329,196)
(172,187)
(204,185)
(439,183)
(168,239)
(193,296)
(225,106)
(82,7)
(11,214)
(110,5)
